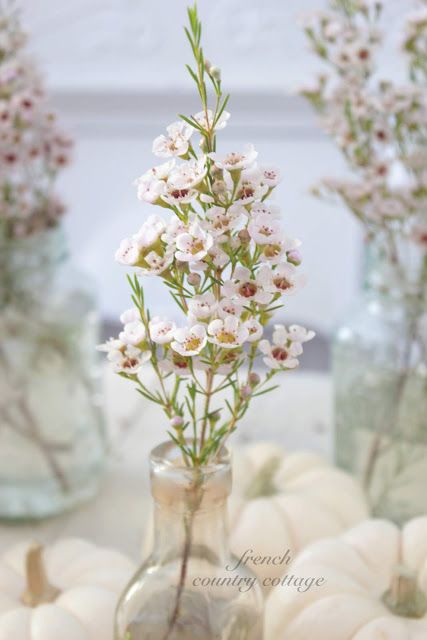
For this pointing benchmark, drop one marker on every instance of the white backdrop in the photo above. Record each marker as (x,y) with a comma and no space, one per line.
(115,69)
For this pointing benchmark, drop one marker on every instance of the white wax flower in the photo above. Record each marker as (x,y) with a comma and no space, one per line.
(227,333)
(189,341)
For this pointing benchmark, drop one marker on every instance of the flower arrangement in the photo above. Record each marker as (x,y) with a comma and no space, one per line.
(379,127)
(226,263)
(32,148)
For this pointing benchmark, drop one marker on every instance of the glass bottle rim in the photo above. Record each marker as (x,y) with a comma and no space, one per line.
(169,455)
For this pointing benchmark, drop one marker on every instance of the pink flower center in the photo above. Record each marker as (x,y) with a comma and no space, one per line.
(180,363)
(248,290)
(233,158)
(279,354)
(364,54)
(265,231)
(129,363)
(282,283)
(270,175)
(246,191)
(177,194)
(231,310)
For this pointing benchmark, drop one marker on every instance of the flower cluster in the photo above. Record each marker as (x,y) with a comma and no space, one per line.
(380,127)
(221,252)
(32,148)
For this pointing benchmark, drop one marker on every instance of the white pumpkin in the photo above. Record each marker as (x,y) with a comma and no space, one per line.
(286,501)
(375,587)
(67,592)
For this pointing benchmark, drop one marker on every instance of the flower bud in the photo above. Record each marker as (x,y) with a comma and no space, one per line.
(246,391)
(235,243)
(215,416)
(215,72)
(244,236)
(254,379)
(177,422)
(294,257)
(194,279)
(219,187)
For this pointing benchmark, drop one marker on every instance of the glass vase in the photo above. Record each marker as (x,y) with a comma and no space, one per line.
(380,381)
(190,587)
(52,440)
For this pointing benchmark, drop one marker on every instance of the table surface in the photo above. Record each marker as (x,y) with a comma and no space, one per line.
(298,415)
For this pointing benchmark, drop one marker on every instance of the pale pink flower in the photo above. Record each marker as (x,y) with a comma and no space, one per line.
(152,184)
(250,188)
(130,315)
(187,175)
(160,172)
(270,176)
(296,333)
(221,220)
(247,288)
(151,190)
(162,330)
(193,245)
(285,278)
(189,341)
(280,354)
(207,122)
(285,248)
(128,253)
(156,264)
(236,161)
(174,228)
(150,232)
(228,333)
(176,197)
(264,229)
(254,328)
(202,306)
(229,307)
(180,365)
(175,143)
(133,333)
(218,256)
(125,358)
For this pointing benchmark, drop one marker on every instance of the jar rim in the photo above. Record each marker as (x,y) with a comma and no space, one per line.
(168,454)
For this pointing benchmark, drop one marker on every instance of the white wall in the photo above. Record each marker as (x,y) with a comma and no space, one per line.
(115,68)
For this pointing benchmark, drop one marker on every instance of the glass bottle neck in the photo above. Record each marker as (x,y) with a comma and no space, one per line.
(190,506)
(395,269)
(28,265)
(205,528)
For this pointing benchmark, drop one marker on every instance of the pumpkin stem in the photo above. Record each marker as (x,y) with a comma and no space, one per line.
(405,598)
(39,590)
(262,484)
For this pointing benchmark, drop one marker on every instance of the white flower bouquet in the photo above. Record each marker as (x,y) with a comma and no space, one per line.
(223,257)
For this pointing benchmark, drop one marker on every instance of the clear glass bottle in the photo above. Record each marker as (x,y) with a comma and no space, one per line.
(190,587)
(52,439)
(380,381)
